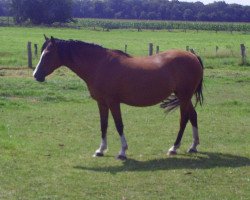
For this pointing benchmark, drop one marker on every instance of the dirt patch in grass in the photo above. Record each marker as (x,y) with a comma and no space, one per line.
(15,72)
(2,54)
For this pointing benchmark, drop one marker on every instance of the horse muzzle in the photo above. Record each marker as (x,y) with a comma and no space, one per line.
(39,77)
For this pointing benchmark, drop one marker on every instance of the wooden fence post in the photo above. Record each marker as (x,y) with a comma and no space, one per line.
(150,50)
(192,51)
(126,48)
(216,50)
(243,54)
(29,55)
(35,51)
(157,49)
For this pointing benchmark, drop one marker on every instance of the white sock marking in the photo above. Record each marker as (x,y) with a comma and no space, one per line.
(124,146)
(195,138)
(174,148)
(103,146)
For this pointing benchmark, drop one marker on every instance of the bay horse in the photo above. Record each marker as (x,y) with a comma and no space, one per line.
(114,77)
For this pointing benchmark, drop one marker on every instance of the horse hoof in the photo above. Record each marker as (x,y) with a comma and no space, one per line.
(172,153)
(121,157)
(98,155)
(192,151)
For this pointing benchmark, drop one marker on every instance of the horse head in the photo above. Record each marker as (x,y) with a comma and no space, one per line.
(49,60)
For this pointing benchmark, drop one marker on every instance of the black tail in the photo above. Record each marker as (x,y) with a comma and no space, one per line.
(198,93)
(172,102)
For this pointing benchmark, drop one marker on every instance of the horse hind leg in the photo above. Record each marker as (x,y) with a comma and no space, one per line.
(187,113)
(193,120)
(116,112)
(183,122)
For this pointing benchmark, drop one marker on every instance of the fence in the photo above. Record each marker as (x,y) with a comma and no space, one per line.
(150,52)
(241,54)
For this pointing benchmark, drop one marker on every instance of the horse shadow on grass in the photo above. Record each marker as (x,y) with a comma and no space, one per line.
(202,160)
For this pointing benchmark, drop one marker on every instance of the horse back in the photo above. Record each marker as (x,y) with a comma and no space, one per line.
(144,81)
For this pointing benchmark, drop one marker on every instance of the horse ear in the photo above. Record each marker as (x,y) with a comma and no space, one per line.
(52,39)
(45,37)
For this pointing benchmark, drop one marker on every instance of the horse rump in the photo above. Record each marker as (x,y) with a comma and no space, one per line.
(199,91)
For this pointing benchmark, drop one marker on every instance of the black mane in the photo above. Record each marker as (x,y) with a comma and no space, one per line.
(64,44)
(122,53)
(70,42)
(78,42)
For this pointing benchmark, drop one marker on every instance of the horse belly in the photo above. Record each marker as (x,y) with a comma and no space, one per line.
(145,94)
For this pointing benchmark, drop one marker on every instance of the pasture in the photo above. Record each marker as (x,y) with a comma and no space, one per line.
(49,131)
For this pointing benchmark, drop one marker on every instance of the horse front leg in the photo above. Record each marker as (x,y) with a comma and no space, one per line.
(104,112)
(116,112)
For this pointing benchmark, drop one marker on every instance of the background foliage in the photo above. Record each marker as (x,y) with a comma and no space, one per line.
(161,10)
(50,11)
(41,11)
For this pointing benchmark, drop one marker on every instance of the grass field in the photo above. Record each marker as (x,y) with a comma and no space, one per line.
(49,131)
(13,49)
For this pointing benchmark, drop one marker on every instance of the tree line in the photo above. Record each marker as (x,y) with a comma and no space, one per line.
(37,11)
(161,10)
(50,11)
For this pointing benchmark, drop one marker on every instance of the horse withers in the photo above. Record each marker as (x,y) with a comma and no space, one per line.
(114,77)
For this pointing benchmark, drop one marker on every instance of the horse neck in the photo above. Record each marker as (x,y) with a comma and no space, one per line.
(85,61)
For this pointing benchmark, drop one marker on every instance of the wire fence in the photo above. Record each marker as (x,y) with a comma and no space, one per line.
(29,57)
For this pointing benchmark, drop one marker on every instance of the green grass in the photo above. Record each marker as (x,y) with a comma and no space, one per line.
(49,131)
(14,40)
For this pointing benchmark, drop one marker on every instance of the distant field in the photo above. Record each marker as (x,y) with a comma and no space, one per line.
(160,25)
(109,24)
(49,131)
(14,40)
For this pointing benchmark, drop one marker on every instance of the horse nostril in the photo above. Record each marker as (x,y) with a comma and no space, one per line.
(39,77)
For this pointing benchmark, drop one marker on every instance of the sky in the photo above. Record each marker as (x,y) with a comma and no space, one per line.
(242,2)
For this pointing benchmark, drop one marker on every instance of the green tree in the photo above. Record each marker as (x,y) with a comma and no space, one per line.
(176,13)
(60,11)
(18,10)
(42,11)
(4,7)
(99,8)
(188,15)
